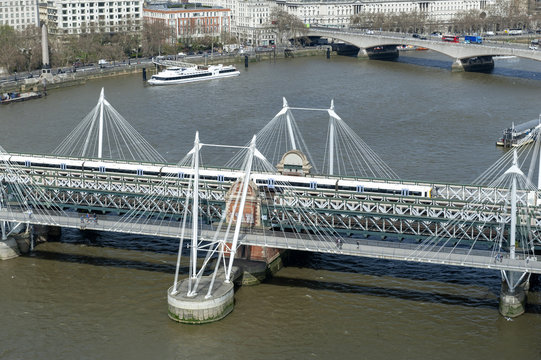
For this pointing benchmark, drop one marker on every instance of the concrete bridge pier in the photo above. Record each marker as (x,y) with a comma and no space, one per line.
(44,233)
(384,52)
(362,54)
(514,290)
(484,64)
(9,249)
(202,307)
(258,263)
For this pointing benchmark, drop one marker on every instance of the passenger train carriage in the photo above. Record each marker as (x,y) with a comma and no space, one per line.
(272,182)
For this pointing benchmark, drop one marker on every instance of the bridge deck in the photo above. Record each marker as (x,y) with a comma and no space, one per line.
(365,248)
(454,50)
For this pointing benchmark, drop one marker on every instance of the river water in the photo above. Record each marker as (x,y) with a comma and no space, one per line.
(104,295)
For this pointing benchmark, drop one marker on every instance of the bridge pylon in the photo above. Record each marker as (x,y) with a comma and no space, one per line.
(206,298)
(514,283)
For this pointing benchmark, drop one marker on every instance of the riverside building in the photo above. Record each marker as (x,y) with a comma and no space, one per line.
(250,20)
(19,13)
(190,20)
(84,16)
(339,12)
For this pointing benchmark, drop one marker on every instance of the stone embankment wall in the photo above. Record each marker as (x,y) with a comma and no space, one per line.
(80,77)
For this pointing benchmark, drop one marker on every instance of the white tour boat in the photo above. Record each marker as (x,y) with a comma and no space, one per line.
(179,75)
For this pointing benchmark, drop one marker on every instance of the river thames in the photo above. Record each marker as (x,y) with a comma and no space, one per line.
(103,296)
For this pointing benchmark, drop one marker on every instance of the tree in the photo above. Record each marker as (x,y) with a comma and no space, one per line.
(286,26)
(30,47)
(403,22)
(10,50)
(154,36)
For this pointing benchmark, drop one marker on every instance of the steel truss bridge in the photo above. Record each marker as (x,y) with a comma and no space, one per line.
(461,212)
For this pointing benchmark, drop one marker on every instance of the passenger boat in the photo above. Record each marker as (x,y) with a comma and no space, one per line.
(521,134)
(179,75)
(12,97)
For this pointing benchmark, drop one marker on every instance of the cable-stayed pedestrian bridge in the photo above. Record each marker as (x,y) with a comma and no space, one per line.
(268,238)
(273,194)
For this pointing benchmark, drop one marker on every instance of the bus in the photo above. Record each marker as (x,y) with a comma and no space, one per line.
(450,38)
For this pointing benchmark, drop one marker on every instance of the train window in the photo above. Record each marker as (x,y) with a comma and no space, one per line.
(360,188)
(180,174)
(63,166)
(27,163)
(221,178)
(313,185)
(323,186)
(270,183)
(405,192)
(297,184)
(101,169)
(140,172)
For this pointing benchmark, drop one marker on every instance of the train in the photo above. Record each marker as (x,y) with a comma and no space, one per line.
(265,181)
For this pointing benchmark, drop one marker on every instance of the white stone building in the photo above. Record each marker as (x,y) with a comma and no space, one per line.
(78,16)
(19,13)
(339,12)
(250,20)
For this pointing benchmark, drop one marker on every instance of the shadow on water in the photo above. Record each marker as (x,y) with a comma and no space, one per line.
(105,261)
(502,67)
(120,241)
(404,294)
(396,269)
(435,63)
(522,74)
(372,268)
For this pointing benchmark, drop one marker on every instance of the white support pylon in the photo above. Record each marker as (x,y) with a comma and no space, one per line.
(514,171)
(100,132)
(331,145)
(195,217)
(240,215)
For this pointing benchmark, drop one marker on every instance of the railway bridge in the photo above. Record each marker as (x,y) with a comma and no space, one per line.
(255,209)
(469,57)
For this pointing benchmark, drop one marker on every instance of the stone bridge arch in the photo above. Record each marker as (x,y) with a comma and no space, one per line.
(467,57)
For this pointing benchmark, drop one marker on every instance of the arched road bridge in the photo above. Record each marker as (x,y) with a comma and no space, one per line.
(469,57)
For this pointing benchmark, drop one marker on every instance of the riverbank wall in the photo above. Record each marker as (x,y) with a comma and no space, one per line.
(79,77)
